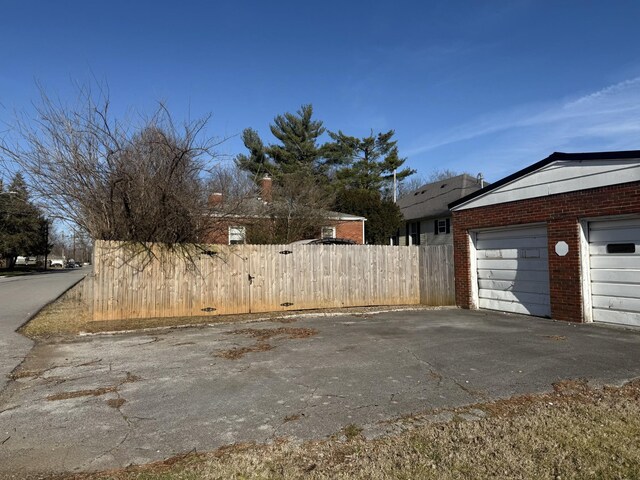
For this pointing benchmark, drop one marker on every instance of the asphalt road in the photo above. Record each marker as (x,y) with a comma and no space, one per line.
(112,400)
(20,298)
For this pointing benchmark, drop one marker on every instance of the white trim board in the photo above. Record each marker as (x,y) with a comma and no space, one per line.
(561,176)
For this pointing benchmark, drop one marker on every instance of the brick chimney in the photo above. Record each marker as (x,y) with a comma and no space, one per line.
(266,184)
(215,199)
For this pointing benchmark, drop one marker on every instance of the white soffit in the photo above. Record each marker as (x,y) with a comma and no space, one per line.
(561,176)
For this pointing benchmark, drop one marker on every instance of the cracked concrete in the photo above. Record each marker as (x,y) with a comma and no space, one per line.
(163,394)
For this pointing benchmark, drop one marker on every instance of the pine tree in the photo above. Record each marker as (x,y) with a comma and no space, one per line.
(368,163)
(21,223)
(297,152)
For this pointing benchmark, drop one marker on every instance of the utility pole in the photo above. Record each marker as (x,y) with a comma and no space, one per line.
(395,186)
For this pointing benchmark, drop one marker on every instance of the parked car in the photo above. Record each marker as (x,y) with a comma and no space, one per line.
(325,241)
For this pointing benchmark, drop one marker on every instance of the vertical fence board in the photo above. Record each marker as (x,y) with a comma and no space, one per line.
(312,276)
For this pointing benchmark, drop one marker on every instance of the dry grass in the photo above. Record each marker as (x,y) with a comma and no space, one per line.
(96,392)
(574,432)
(239,352)
(68,316)
(263,334)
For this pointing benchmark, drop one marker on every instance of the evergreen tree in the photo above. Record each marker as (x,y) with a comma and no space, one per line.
(368,163)
(256,162)
(22,225)
(383,216)
(297,151)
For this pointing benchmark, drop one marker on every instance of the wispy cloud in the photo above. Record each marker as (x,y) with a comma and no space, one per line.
(610,116)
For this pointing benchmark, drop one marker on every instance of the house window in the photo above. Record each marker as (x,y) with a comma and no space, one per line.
(442,226)
(328,232)
(237,235)
(395,239)
(413,233)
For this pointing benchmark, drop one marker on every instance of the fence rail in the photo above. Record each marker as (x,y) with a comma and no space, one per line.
(264,278)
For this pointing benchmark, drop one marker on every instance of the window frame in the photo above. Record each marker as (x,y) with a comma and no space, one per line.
(327,227)
(241,231)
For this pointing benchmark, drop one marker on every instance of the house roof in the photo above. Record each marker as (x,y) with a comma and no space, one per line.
(258,208)
(432,199)
(554,157)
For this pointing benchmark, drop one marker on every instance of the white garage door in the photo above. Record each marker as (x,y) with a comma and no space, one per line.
(614,254)
(513,270)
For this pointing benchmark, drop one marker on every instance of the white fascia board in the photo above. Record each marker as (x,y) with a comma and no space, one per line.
(561,176)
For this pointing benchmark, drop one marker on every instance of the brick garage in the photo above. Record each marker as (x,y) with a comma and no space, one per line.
(534,196)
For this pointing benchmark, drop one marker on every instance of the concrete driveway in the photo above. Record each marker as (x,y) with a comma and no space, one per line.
(110,401)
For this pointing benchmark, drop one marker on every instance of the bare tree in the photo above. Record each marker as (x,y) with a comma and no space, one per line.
(298,211)
(135,182)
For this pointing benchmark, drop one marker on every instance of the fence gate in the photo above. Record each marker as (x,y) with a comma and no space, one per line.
(271,279)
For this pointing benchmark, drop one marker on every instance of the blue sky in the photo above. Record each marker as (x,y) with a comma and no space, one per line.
(487,86)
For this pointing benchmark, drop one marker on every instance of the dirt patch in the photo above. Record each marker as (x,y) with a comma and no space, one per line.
(572,387)
(352,431)
(557,338)
(239,352)
(96,392)
(267,333)
(26,374)
(116,402)
(263,334)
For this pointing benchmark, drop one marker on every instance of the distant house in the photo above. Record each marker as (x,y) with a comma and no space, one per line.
(427,218)
(234,225)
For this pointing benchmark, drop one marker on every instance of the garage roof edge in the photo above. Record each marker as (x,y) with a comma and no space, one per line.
(555,156)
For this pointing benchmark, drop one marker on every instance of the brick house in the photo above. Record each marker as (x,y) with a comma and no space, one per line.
(560,238)
(235,226)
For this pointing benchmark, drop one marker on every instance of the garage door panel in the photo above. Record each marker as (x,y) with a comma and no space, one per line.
(616,262)
(615,277)
(614,289)
(521,297)
(533,242)
(616,303)
(538,276)
(521,264)
(617,223)
(513,270)
(600,248)
(514,285)
(513,253)
(514,307)
(614,234)
(621,318)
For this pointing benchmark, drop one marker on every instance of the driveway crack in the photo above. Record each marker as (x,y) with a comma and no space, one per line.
(434,373)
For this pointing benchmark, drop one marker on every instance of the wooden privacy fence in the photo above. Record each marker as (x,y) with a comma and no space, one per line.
(264,278)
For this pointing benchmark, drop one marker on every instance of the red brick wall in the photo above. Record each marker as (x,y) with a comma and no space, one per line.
(348,229)
(561,213)
(353,230)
